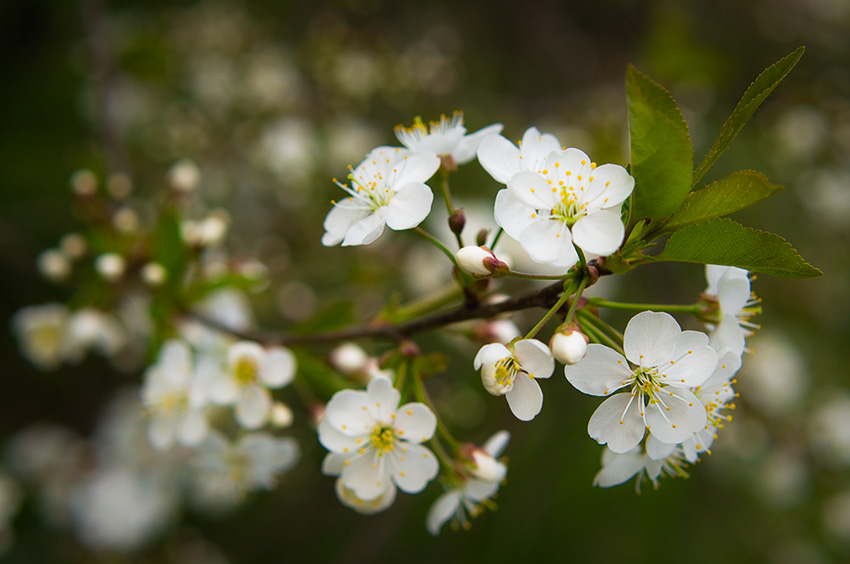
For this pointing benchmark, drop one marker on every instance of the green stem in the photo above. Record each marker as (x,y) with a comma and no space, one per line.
(421,395)
(529,276)
(450,206)
(598,331)
(585,315)
(582,260)
(496,238)
(581,286)
(568,289)
(436,242)
(692,309)
(597,336)
(426,304)
(441,453)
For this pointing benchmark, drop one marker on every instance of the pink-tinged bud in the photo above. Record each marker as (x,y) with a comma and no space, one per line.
(568,344)
(480,262)
(457,221)
(483,465)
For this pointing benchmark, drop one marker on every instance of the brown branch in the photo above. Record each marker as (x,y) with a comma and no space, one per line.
(544,297)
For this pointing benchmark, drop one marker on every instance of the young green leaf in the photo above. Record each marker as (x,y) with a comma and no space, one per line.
(725,242)
(757,93)
(735,192)
(662,155)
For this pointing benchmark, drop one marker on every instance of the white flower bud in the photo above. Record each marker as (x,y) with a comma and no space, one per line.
(153,274)
(184,176)
(54,265)
(74,245)
(349,358)
(281,416)
(486,467)
(110,266)
(568,344)
(480,261)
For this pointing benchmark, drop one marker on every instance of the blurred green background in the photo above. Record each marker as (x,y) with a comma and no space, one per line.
(273,98)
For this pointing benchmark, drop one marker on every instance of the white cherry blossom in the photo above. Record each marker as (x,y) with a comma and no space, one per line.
(387,189)
(473,491)
(512,371)
(174,398)
(446,137)
(730,288)
(373,441)
(666,363)
(569,201)
(503,160)
(250,372)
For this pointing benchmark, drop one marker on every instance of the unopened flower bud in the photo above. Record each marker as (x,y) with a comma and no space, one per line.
(568,344)
(457,221)
(110,266)
(184,176)
(486,467)
(153,274)
(481,238)
(281,415)
(54,265)
(480,262)
(348,358)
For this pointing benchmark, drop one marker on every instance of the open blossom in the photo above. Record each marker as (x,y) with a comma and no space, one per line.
(474,489)
(666,363)
(730,288)
(503,160)
(512,372)
(333,466)
(619,467)
(250,372)
(446,137)
(43,338)
(372,440)
(174,399)
(387,189)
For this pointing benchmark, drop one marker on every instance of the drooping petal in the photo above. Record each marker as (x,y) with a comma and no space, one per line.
(333,463)
(532,189)
(693,361)
(600,373)
(366,230)
(468,146)
(415,169)
(415,422)
(675,416)
(252,407)
(535,358)
(525,398)
(410,205)
(383,399)
(728,334)
(612,424)
(339,220)
(617,468)
(479,490)
(412,467)
(279,367)
(600,232)
(650,338)
(512,214)
(442,510)
(366,507)
(656,450)
(499,157)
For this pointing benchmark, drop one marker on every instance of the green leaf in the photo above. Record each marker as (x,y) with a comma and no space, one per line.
(662,155)
(725,242)
(169,250)
(757,93)
(335,316)
(735,192)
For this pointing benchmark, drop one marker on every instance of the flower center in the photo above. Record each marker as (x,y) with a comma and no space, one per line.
(646,382)
(383,439)
(245,371)
(506,371)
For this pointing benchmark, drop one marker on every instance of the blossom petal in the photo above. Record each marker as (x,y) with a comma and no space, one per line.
(333,463)
(610,186)
(366,230)
(675,416)
(545,240)
(728,334)
(612,424)
(656,450)
(600,373)
(161,433)
(335,441)
(650,338)
(415,169)
(600,232)
(339,220)
(348,413)
(383,399)
(252,407)
(512,214)
(535,358)
(409,206)
(279,367)
(366,475)
(617,468)
(192,429)
(414,422)
(468,146)
(413,467)
(532,189)
(222,388)
(525,398)
(479,490)
(490,354)
(693,361)
(499,157)
(536,147)
(496,444)
(733,294)
(442,510)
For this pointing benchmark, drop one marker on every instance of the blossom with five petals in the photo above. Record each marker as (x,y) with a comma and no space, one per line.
(512,371)
(446,138)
